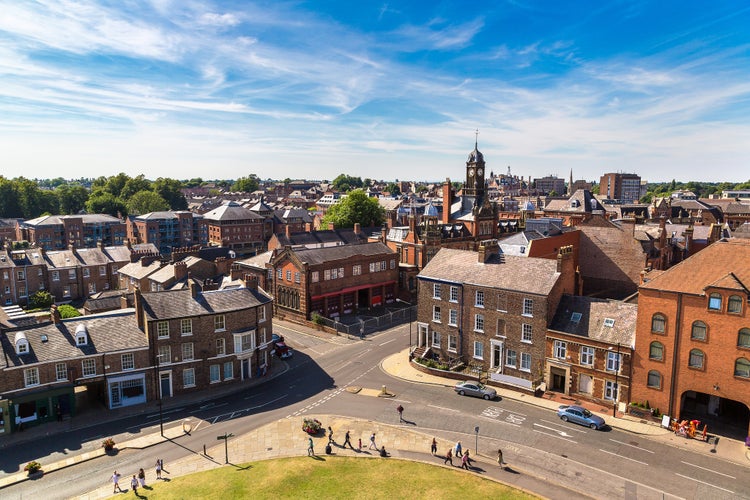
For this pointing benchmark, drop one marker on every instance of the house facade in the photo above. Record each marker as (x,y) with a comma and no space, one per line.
(56,232)
(167,230)
(692,350)
(491,311)
(234,226)
(333,281)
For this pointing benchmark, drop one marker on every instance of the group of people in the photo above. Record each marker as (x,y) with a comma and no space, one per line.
(138,479)
(347,441)
(457,452)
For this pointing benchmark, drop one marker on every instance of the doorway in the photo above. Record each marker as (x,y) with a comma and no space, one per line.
(165,384)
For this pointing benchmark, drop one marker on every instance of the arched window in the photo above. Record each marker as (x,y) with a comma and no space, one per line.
(734,305)
(656,351)
(658,323)
(699,331)
(697,359)
(742,368)
(743,338)
(714,302)
(654,379)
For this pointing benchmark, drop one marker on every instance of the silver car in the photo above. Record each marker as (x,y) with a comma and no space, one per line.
(580,415)
(468,388)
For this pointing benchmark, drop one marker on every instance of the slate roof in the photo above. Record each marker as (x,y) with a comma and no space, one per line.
(506,272)
(593,313)
(53,220)
(138,271)
(322,238)
(258,261)
(231,211)
(166,214)
(108,332)
(181,304)
(712,265)
(314,256)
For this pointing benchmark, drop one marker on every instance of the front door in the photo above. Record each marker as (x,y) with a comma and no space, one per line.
(165,379)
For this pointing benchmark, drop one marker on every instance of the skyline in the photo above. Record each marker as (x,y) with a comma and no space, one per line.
(221,90)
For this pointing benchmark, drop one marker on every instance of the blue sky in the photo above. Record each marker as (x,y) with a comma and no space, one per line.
(386,90)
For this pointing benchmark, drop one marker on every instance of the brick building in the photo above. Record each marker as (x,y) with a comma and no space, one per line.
(333,281)
(233,226)
(692,351)
(56,232)
(491,311)
(589,349)
(619,186)
(168,230)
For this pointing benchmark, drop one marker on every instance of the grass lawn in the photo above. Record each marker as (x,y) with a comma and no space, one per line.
(331,477)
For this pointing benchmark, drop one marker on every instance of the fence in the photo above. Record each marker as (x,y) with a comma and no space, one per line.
(361,325)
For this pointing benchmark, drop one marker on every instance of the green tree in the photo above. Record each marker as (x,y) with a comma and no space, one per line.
(356,207)
(68,311)
(393,188)
(41,300)
(115,184)
(246,184)
(10,206)
(346,183)
(134,185)
(71,198)
(104,202)
(144,202)
(171,191)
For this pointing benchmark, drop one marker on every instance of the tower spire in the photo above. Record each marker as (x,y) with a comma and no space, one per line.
(476,139)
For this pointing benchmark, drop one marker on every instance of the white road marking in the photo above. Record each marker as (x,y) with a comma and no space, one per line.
(565,425)
(623,456)
(363,353)
(709,470)
(632,446)
(555,436)
(386,342)
(402,401)
(562,433)
(443,408)
(707,484)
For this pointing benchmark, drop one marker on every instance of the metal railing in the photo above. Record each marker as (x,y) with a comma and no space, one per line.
(364,324)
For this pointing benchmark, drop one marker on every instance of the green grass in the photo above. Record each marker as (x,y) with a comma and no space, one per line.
(331,477)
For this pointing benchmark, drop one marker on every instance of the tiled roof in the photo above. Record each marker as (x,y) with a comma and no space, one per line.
(180,303)
(138,271)
(592,319)
(315,256)
(506,272)
(62,258)
(258,261)
(706,267)
(51,220)
(108,332)
(231,211)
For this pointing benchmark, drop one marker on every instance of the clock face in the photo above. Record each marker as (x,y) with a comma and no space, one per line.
(471,172)
(480,171)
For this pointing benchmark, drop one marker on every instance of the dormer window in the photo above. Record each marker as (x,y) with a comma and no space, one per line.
(609,322)
(22,343)
(82,335)
(714,302)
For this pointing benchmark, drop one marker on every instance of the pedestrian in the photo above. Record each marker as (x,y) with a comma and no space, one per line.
(400,411)
(142,478)
(330,435)
(465,461)
(310,448)
(372,442)
(383,453)
(457,450)
(347,440)
(134,485)
(448,457)
(433,446)
(158,469)
(359,446)
(500,457)
(116,482)
(58,411)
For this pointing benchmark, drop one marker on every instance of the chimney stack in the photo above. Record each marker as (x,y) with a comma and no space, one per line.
(357,228)
(138,303)
(251,282)
(193,287)
(55,314)
(487,249)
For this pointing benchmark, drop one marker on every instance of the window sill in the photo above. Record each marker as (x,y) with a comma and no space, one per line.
(452,350)
(527,342)
(188,386)
(478,357)
(526,370)
(478,331)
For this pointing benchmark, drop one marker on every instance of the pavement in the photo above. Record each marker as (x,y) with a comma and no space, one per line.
(284,439)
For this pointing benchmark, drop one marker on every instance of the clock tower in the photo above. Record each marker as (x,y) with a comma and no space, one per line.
(474,185)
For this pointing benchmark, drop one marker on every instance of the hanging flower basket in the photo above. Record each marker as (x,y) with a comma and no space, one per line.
(311,425)
(33,467)
(108,444)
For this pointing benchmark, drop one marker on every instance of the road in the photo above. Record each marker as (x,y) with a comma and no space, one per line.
(603,464)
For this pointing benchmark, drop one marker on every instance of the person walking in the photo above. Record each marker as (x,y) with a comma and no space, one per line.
(433,446)
(448,457)
(116,482)
(161,464)
(330,435)
(158,469)
(372,442)
(347,440)
(134,485)
(142,478)
(359,447)
(310,448)
(500,457)
(465,460)
(457,450)
(400,411)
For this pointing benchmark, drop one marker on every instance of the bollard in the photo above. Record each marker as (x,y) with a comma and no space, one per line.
(383,391)
(204,450)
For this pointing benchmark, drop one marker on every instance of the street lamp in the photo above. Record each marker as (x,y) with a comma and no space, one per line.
(225,437)
(410,318)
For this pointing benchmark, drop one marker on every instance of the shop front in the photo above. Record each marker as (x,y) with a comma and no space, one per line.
(126,390)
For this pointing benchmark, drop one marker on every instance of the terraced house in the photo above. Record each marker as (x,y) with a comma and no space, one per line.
(490,311)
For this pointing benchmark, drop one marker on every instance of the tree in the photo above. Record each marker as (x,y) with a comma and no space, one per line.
(134,185)
(246,184)
(10,206)
(356,207)
(171,191)
(68,311)
(393,188)
(145,202)
(104,202)
(116,183)
(346,183)
(41,300)
(71,198)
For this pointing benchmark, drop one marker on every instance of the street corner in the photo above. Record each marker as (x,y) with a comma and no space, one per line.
(353,389)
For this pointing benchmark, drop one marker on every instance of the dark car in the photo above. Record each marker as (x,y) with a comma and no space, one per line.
(282,350)
(580,415)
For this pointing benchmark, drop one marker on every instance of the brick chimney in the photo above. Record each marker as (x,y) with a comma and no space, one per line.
(223,265)
(194,288)
(384,234)
(715,234)
(566,268)
(288,231)
(357,228)
(487,249)
(55,314)
(447,200)
(251,282)
(689,240)
(138,304)
(180,270)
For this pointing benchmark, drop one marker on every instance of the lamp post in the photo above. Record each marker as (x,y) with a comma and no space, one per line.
(158,391)
(225,437)
(410,318)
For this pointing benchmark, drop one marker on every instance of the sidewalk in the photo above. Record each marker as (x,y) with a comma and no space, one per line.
(397,365)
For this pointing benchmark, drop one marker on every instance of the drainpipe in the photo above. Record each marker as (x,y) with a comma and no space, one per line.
(461,322)
(675,354)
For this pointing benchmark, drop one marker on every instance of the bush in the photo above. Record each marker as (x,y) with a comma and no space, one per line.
(317,319)
(68,311)
(311,425)
(41,300)
(108,443)
(32,467)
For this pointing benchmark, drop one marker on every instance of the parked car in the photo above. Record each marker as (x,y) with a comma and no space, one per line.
(276,338)
(469,388)
(580,415)
(282,350)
